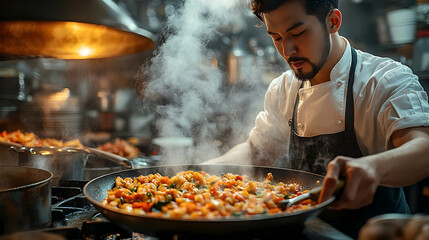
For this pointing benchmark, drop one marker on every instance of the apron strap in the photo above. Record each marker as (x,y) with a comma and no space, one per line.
(350,146)
(349,114)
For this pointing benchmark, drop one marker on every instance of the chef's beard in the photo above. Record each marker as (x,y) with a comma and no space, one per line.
(315,68)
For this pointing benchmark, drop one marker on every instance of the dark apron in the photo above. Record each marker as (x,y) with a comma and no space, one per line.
(313,154)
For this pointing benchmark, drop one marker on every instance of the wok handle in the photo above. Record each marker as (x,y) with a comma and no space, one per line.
(315,192)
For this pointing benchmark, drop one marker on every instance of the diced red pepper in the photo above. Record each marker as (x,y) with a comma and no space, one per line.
(213,191)
(120,192)
(190,196)
(223,196)
(146,206)
(239,197)
(165,179)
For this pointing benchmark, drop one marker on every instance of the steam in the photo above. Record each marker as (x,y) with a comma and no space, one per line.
(182,73)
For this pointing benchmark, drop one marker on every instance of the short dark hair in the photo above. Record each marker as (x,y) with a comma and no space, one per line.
(319,8)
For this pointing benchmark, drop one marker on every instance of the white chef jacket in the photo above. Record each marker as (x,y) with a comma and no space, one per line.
(387,97)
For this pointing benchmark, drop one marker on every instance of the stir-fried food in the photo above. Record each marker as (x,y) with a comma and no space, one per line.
(32,140)
(196,195)
(121,147)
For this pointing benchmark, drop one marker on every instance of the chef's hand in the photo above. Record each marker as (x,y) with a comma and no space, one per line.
(361,182)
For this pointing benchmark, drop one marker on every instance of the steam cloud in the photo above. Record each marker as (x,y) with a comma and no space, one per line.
(181,73)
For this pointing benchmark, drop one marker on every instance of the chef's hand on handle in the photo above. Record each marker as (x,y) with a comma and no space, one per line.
(361,182)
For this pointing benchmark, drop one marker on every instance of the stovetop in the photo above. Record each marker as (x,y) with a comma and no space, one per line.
(73,217)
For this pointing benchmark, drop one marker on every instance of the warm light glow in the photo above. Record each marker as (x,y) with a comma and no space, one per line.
(45,153)
(74,26)
(85,51)
(68,40)
(60,96)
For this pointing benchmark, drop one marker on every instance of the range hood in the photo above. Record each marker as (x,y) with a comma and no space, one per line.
(68,29)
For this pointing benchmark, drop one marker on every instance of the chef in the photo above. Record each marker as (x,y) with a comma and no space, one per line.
(339,112)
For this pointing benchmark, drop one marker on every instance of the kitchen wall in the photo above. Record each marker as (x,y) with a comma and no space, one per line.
(364,25)
(359,20)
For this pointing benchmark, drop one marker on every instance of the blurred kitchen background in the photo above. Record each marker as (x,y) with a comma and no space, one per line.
(97,100)
(102,97)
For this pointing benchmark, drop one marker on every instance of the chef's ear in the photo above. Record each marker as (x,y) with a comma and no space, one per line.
(333,20)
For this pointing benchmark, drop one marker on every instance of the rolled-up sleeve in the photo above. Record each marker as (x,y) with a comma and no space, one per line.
(407,105)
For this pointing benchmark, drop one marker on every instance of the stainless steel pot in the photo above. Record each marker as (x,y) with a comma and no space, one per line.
(25,199)
(63,163)
(8,157)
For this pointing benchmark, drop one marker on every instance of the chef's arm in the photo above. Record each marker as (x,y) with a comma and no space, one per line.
(405,164)
(408,162)
(244,154)
(240,155)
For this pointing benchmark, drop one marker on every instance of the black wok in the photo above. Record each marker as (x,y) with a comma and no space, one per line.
(96,190)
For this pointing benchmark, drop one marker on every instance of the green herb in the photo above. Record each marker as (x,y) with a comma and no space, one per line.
(159,205)
(237,213)
(155,210)
(169,198)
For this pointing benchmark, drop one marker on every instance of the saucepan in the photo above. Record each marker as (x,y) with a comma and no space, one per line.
(65,163)
(8,157)
(96,190)
(25,199)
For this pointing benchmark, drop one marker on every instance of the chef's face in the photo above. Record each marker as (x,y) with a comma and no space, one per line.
(301,39)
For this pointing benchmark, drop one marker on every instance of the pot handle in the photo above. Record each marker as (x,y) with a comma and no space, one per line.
(129,163)
(18,149)
(112,157)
